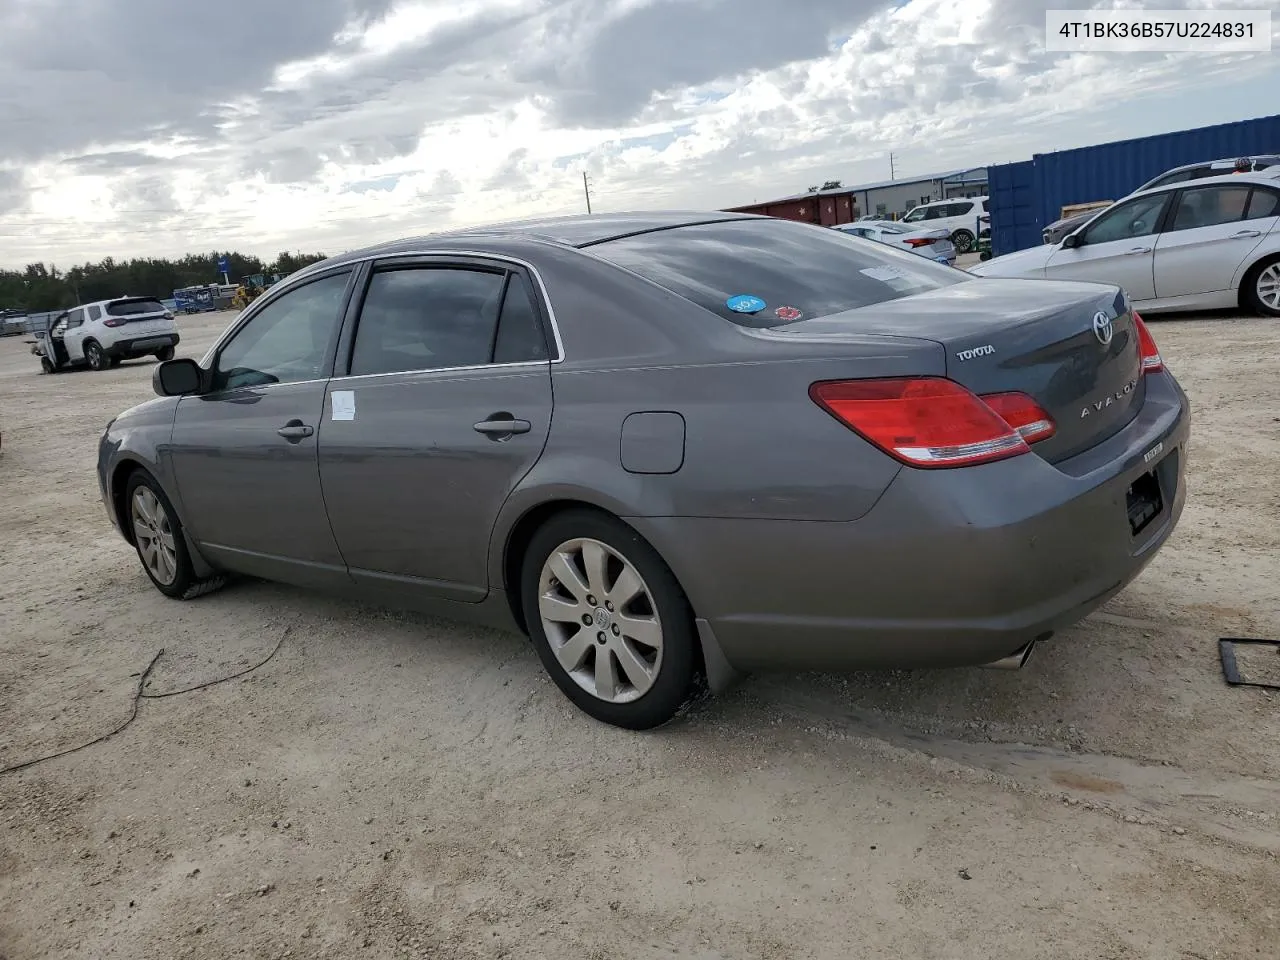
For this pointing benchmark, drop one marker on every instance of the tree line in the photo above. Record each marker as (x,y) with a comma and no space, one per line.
(38,287)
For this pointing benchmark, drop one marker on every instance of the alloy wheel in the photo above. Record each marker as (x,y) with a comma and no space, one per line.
(1268,286)
(600,620)
(154,536)
(94,355)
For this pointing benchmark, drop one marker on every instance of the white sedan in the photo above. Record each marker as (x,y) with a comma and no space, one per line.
(1203,245)
(932,242)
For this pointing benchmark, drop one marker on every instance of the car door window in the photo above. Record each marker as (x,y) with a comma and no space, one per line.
(1135,218)
(427,318)
(960,209)
(1210,206)
(75,318)
(287,340)
(95,312)
(1263,203)
(914,215)
(520,338)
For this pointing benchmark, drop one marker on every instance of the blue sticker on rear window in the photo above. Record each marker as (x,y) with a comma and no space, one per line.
(744,303)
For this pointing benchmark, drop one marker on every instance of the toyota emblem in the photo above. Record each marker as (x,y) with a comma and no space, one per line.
(1102,328)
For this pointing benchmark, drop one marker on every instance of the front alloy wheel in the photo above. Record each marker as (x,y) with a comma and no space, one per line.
(153,533)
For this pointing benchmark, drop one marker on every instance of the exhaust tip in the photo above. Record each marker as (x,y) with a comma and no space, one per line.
(1014,661)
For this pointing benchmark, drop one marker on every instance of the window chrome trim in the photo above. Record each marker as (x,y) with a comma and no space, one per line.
(290,282)
(471,367)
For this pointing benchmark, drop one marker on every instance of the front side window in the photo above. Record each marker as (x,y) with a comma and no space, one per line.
(783,271)
(427,318)
(917,213)
(1210,206)
(1134,218)
(286,341)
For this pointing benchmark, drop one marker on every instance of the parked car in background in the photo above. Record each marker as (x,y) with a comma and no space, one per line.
(1191,171)
(932,242)
(382,425)
(958,216)
(1198,245)
(100,335)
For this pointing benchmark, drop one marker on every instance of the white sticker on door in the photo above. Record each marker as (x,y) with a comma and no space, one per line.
(344,404)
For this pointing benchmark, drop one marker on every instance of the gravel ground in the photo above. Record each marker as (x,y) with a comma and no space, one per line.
(395,786)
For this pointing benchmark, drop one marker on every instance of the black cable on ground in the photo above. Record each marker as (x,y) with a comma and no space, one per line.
(138,695)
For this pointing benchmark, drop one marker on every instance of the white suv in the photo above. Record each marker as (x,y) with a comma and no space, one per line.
(99,335)
(959,215)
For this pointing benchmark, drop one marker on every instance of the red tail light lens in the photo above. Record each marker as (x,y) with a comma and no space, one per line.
(1151,362)
(919,241)
(114,322)
(1022,413)
(922,421)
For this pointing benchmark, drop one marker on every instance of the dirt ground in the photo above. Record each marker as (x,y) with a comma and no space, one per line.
(395,786)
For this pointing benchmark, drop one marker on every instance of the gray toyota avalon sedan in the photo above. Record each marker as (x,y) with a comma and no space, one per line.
(670,448)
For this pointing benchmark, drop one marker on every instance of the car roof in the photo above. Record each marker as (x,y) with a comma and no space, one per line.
(1269,177)
(577,231)
(1209,163)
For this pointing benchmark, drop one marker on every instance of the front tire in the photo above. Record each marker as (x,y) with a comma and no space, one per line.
(96,356)
(1262,288)
(159,541)
(609,621)
(963,241)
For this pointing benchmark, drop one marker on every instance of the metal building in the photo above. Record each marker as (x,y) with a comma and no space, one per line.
(1028,196)
(887,198)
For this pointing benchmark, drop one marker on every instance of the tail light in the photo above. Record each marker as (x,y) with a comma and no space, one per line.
(114,322)
(919,241)
(1151,362)
(921,421)
(1023,414)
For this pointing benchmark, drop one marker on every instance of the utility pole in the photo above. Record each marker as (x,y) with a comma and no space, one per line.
(891,176)
(586,189)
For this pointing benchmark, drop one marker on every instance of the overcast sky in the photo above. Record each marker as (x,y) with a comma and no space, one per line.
(157,127)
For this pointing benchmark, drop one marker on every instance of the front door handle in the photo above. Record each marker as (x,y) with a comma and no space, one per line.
(1137,250)
(502,425)
(1246,233)
(295,430)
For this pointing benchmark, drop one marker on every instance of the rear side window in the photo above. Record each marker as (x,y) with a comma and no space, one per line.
(426,318)
(1263,203)
(520,337)
(95,312)
(774,271)
(135,307)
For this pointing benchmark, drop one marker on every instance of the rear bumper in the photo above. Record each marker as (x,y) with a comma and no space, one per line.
(950,568)
(141,346)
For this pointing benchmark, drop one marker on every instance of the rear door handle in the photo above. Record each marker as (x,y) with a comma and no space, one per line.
(295,430)
(499,426)
(1246,233)
(1137,250)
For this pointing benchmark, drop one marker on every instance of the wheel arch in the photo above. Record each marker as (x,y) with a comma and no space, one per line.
(125,468)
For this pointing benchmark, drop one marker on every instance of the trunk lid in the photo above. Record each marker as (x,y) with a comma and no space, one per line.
(1032,336)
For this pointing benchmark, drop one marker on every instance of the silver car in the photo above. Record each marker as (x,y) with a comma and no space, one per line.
(670,448)
(932,242)
(1208,244)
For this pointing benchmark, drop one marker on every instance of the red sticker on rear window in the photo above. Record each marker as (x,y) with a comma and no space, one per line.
(787,313)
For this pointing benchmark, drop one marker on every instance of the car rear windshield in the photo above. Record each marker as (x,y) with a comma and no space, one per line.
(774,271)
(135,307)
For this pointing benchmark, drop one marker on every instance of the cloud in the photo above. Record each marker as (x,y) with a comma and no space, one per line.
(131,128)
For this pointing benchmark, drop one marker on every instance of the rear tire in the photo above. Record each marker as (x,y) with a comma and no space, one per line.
(963,241)
(165,354)
(159,541)
(585,564)
(1261,287)
(46,365)
(96,356)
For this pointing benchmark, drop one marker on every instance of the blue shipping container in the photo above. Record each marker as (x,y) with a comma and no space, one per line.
(1026,197)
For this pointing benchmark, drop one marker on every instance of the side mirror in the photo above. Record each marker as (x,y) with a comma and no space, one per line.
(177,378)
(1071,241)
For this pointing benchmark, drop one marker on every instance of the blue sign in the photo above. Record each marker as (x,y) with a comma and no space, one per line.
(224,265)
(743,303)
